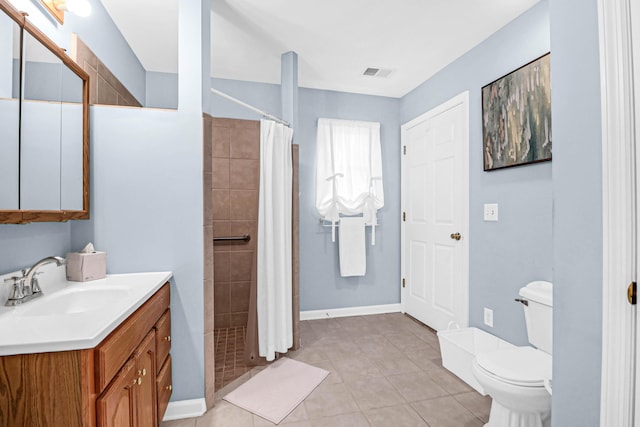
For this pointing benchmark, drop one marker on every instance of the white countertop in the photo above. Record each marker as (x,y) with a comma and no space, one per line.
(72,315)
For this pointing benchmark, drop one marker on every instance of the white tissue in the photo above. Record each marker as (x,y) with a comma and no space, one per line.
(89,249)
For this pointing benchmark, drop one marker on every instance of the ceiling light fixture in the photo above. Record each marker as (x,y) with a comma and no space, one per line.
(58,7)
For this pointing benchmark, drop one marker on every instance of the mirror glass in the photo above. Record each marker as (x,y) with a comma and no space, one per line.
(9,113)
(51,144)
(71,142)
(40,127)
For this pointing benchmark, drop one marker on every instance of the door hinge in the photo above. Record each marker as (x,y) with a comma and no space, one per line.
(632,293)
(404,150)
(404,283)
(404,216)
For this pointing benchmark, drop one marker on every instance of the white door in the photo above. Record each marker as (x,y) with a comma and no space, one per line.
(619,31)
(635,41)
(435,194)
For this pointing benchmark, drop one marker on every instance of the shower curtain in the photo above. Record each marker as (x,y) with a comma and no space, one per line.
(274,275)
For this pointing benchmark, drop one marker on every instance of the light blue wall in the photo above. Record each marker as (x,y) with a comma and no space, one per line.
(22,245)
(577,220)
(53,82)
(7,70)
(162,90)
(503,255)
(261,95)
(147,215)
(9,156)
(321,286)
(289,91)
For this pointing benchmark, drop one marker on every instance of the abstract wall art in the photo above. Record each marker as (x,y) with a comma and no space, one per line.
(516,117)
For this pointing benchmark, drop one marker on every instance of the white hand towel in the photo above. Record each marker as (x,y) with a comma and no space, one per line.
(351,241)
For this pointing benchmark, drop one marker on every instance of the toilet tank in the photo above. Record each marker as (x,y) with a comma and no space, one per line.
(538,314)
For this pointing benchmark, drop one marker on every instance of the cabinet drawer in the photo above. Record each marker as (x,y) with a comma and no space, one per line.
(165,388)
(114,350)
(163,338)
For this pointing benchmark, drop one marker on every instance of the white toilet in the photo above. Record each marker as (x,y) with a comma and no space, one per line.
(515,378)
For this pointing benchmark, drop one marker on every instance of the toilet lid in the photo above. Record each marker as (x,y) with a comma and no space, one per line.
(521,365)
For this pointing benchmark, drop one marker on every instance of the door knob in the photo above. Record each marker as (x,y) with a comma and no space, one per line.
(456,236)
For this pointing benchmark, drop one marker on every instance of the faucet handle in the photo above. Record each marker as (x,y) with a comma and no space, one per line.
(17,293)
(13,279)
(35,286)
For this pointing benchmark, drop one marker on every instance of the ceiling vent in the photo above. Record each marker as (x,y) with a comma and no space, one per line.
(377,72)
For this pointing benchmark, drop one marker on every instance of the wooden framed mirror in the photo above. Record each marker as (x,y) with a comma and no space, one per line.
(44,127)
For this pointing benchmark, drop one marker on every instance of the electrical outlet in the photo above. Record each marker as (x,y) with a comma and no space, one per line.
(490,211)
(488,317)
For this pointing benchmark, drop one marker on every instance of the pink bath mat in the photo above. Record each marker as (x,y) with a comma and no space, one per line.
(278,389)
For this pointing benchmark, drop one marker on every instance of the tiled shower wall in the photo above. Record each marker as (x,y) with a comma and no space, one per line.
(209,337)
(231,152)
(207,229)
(235,184)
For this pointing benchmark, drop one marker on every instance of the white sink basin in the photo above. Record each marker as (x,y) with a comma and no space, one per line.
(73,315)
(73,301)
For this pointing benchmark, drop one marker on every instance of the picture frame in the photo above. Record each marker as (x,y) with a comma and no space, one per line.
(516,117)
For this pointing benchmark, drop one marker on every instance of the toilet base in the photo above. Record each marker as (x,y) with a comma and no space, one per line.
(503,417)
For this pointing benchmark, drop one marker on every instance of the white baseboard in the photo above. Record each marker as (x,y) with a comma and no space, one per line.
(185,409)
(350,311)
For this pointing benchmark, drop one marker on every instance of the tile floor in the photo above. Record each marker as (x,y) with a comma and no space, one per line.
(385,372)
(229,359)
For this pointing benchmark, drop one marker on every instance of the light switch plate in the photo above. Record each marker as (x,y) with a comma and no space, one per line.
(490,211)
(488,317)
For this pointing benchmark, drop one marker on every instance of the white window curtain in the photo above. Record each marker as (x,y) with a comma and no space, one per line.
(349,171)
(274,275)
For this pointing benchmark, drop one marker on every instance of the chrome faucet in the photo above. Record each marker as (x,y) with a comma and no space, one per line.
(26,288)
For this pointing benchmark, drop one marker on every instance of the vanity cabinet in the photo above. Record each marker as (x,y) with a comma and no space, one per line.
(124,381)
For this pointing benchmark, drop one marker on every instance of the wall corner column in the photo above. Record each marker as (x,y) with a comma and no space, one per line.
(289,97)
(289,89)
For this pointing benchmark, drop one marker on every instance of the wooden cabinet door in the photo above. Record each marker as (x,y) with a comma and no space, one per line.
(163,339)
(116,406)
(146,402)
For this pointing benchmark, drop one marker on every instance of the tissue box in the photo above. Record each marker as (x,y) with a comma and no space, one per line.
(83,267)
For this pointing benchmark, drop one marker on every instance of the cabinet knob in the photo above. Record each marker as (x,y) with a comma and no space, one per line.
(135,381)
(167,338)
(144,372)
(139,380)
(168,388)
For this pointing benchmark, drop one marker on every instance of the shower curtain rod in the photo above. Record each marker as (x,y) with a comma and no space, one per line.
(250,107)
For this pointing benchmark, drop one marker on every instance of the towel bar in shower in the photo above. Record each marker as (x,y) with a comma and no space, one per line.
(244,238)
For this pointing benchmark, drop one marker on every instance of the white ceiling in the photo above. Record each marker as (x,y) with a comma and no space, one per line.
(336,40)
(151,28)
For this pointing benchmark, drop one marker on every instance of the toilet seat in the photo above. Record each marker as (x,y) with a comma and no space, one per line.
(520,366)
